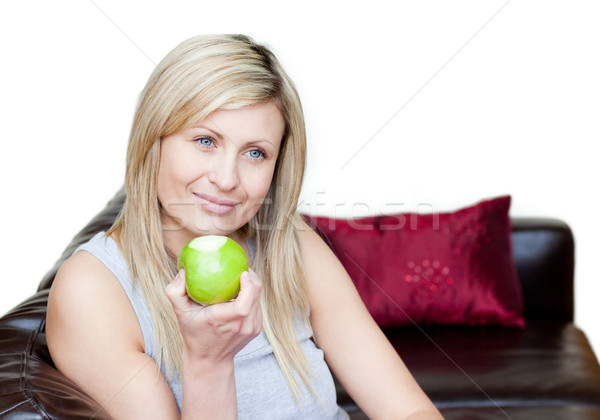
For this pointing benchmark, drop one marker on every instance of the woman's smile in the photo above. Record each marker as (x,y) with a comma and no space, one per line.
(214,204)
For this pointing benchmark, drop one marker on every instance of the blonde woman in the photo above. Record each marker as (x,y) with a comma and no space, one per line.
(218,147)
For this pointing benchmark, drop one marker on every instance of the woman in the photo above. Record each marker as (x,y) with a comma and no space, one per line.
(218,147)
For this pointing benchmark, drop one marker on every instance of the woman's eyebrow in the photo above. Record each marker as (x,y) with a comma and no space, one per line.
(213,131)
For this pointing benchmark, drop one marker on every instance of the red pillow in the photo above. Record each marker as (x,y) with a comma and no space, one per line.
(447,268)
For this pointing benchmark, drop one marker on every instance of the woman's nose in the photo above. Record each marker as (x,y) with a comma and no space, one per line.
(225,173)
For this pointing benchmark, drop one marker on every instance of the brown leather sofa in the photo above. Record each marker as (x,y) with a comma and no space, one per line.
(545,371)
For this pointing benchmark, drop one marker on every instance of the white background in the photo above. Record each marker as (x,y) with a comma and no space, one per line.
(427,106)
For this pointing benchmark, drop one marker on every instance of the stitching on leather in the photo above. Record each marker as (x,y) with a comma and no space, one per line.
(23,367)
(13,408)
(23,373)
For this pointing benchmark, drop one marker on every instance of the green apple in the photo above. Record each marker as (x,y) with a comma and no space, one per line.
(213,266)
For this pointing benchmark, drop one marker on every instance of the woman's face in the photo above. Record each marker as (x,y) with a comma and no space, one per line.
(214,176)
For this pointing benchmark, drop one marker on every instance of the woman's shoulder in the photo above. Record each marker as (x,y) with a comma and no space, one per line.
(325,275)
(84,292)
(312,246)
(82,275)
(87,270)
(321,265)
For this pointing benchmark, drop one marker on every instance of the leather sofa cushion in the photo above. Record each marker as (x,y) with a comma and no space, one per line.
(534,412)
(545,364)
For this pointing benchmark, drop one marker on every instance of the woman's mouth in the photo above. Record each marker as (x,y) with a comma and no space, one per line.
(214,204)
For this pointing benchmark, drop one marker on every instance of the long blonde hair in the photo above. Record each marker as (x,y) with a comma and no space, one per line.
(199,76)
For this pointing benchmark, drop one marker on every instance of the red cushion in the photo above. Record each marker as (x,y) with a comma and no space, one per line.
(446,268)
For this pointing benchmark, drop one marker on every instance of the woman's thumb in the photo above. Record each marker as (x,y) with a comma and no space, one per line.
(176,289)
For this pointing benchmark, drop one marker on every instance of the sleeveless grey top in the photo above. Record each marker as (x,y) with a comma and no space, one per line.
(262,391)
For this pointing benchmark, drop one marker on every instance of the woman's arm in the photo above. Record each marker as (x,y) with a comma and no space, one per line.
(355,348)
(95,339)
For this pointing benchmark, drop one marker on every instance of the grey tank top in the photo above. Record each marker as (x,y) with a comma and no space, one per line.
(262,391)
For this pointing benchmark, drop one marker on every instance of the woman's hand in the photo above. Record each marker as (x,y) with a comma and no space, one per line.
(212,336)
(217,332)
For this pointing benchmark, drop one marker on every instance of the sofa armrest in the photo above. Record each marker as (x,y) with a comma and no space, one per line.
(543,250)
(30,385)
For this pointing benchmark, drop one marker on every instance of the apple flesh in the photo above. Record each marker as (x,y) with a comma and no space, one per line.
(213,266)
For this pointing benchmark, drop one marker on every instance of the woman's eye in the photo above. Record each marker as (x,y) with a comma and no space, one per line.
(205,141)
(256,154)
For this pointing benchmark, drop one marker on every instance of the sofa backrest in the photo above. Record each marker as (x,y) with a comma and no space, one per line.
(543,250)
